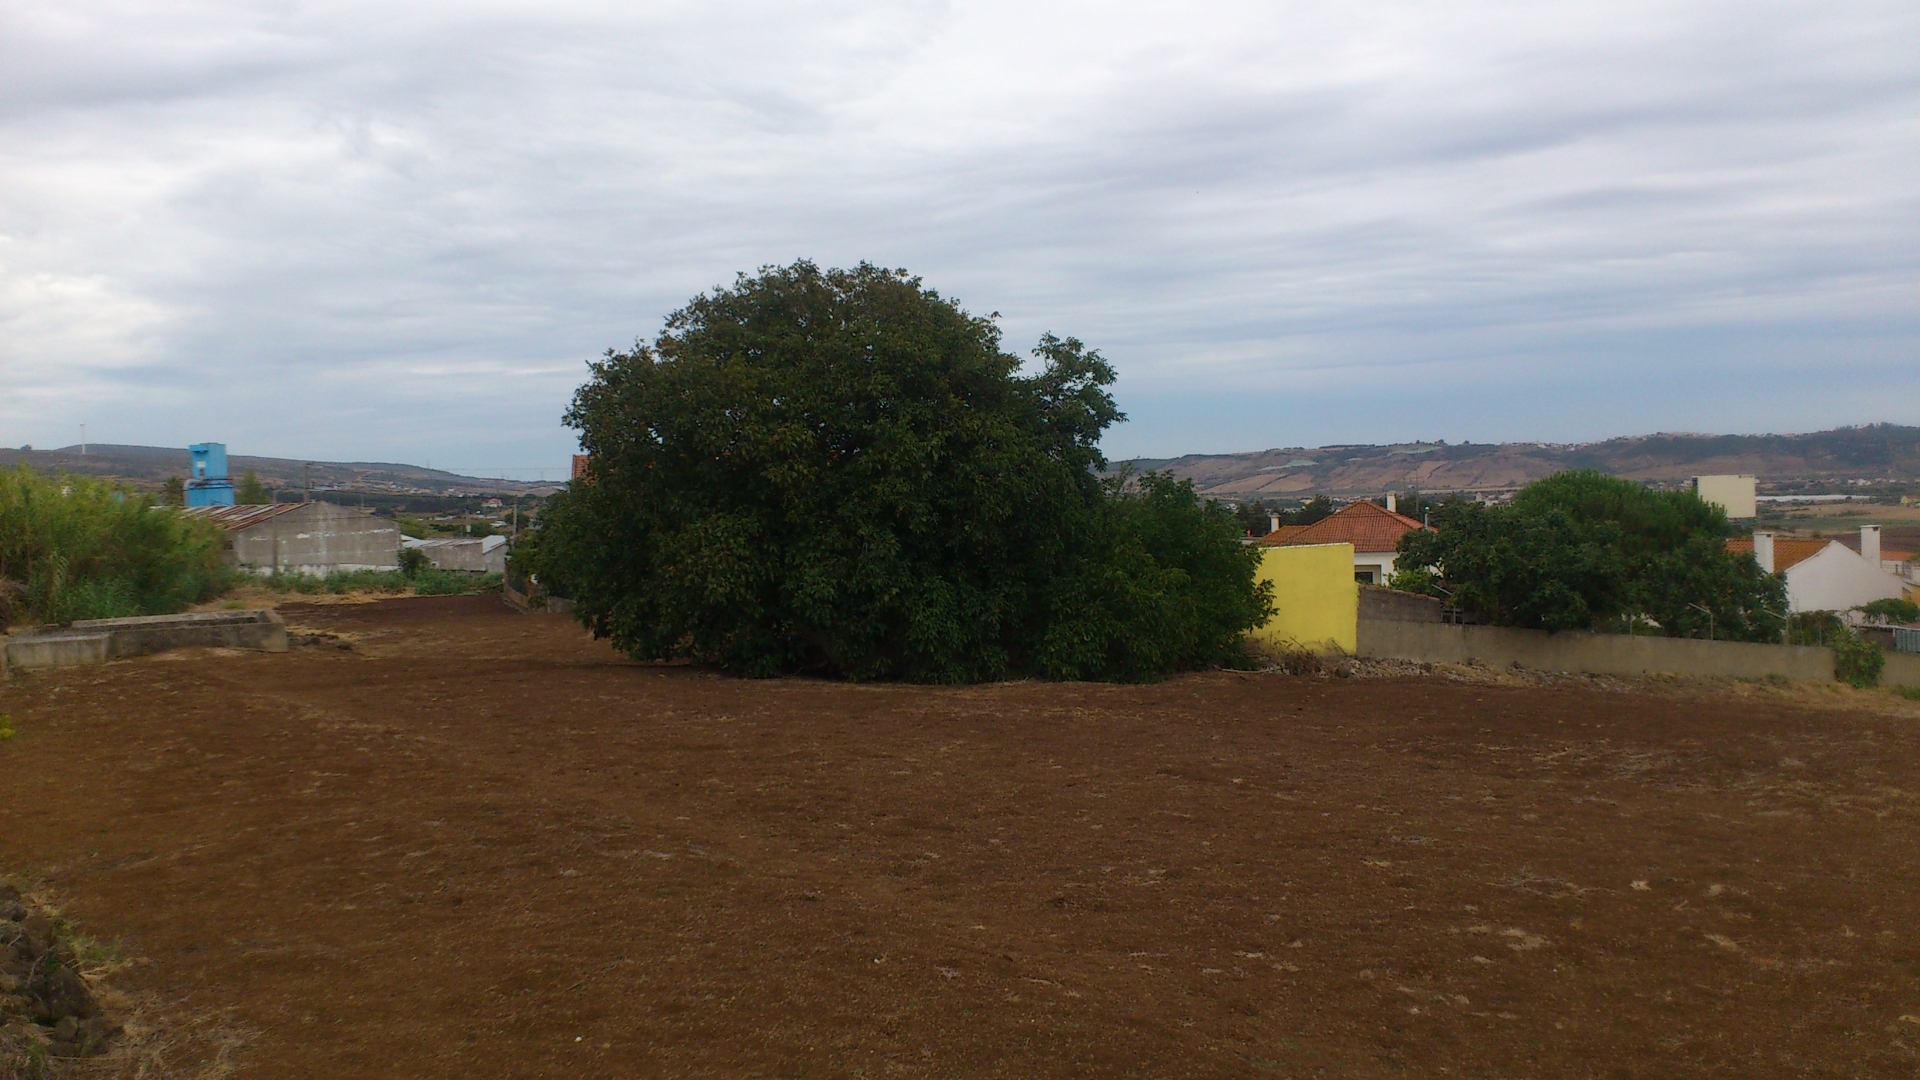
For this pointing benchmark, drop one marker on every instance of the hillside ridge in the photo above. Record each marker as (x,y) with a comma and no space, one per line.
(1875,452)
(149,466)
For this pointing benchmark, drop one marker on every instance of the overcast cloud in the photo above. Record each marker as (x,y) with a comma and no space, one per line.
(379,231)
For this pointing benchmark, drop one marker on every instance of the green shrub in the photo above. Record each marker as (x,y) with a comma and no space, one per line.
(413,561)
(1892,610)
(1857,661)
(84,549)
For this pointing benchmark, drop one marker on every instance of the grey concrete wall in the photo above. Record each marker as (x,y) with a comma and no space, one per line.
(28,651)
(1903,669)
(319,538)
(95,641)
(1377,602)
(1600,654)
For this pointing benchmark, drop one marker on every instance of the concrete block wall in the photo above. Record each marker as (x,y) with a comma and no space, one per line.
(1903,669)
(319,538)
(1600,654)
(95,641)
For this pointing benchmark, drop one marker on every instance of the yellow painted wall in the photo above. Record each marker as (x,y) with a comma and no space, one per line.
(1316,602)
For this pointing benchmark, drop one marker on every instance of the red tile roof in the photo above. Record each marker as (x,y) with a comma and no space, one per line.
(1787,550)
(1366,526)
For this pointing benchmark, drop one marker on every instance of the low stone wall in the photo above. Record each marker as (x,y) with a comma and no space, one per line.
(1394,605)
(95,641)
(1599,654)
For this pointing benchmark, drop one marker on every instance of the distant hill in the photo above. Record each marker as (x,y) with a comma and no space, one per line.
(149,466)
(1879,452)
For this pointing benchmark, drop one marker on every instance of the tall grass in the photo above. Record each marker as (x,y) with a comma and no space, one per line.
(77,548)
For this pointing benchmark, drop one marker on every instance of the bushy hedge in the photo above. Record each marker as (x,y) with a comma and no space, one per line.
(76,548)
(841,472)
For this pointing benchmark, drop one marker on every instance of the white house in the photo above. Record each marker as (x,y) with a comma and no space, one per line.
(1374,533)
(1825,575)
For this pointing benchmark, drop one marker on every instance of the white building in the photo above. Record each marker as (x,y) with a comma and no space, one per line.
(1826,575)
(1734,494)
(472,554)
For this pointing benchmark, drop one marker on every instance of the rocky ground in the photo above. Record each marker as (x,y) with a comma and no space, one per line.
(48,1011)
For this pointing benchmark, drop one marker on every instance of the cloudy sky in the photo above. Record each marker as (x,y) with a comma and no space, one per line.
(397,231)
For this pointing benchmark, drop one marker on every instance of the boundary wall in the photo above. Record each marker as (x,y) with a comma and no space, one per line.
(1599,654)
(96,641)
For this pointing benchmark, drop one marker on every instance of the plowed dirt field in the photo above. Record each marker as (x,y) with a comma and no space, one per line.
(480,844)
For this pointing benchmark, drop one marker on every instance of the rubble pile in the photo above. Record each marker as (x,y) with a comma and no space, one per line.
(46,1007)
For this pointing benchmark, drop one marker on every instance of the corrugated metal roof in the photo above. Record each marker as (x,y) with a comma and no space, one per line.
(487,543)
(235,518)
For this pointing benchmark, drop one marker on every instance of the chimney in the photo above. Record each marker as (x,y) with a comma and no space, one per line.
(1393,503)
(1870,545)
(1273,521)
(1763,550)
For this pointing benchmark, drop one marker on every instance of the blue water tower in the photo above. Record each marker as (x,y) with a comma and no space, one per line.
(209,486)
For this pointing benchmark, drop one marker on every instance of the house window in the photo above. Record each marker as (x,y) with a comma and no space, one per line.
(1367,575)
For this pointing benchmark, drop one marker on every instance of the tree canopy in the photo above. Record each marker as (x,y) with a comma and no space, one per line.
(841,471)
(1582,550)
(251,492)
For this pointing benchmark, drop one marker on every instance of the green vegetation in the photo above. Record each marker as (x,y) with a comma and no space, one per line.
(1580,550)
(77,548)
(251,492)
(422,528)
(413,562)
(841,472)
(1255,517)
(420,583)
(1892,610)
(173,492)
(1856,661)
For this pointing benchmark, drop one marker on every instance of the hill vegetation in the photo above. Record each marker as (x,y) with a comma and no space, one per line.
(149,467)
(1876,453)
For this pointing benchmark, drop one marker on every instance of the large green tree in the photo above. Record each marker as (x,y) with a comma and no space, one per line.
(1582,550)
(840,471)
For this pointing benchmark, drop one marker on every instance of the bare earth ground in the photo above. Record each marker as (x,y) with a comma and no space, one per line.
(480,844)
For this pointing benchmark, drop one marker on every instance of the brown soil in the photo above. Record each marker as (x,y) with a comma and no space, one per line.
(476,843)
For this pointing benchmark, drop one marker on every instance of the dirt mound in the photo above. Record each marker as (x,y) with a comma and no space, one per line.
(47,1008)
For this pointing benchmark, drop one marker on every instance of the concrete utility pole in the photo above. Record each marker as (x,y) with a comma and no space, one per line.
(308,497)
(83,440)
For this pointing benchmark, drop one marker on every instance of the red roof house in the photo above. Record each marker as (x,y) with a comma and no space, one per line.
(1373,531)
